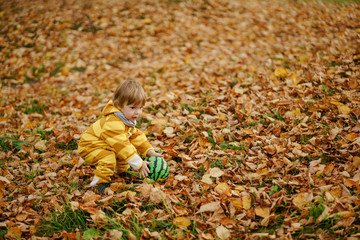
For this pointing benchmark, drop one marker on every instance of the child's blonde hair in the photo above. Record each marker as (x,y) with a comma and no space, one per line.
(129,92)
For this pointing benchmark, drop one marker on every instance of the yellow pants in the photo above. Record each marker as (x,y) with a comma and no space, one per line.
(106,163)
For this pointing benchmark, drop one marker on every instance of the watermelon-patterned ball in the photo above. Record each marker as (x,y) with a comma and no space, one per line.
(159,169)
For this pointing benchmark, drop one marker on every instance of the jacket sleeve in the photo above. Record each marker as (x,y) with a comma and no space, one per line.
(114,134)
(140,142)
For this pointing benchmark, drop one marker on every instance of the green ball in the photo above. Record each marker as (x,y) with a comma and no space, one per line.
(159,169)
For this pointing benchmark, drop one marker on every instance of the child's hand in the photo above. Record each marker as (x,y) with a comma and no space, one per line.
(152,153)
(144,170)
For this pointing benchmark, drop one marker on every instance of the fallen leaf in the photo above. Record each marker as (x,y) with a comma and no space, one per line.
(262,212)
(13,233)
(216,172)
(281,72)
(41,145)
(301,199)
(356,161)
(223,188)
(182,222)
(222,232)
(246,202)
(210,207)
(344,110)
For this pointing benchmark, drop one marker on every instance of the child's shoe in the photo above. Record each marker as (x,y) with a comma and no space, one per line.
(101,187)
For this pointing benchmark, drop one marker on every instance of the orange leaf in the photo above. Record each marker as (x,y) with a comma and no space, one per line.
(14,232)
(352,136)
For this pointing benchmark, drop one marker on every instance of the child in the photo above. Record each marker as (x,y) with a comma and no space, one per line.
(112,143)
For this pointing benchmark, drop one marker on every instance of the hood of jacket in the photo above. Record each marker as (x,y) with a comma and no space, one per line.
(110,108)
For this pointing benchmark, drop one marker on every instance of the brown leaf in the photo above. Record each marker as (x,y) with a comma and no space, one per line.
(223,233)
(210,207)
(216,172)
(301,199)
(156,195)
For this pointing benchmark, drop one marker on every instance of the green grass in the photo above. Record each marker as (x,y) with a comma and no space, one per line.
(217,163)
(44,134)
(34,107)
(72,145)
(57,68)
(276,116)
(65,219)
(11,143)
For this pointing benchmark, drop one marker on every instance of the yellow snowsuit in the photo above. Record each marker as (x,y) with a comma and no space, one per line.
(111,146)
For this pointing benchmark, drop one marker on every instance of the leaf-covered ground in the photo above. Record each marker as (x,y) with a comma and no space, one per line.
(255,105)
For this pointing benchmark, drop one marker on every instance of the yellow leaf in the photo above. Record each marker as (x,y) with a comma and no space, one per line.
(295,78)
(77,114)
(222,116)
(128,192)
(181,222)
(274,79)
(330,71)
(159,121)
(240,188)
(262,212)
(344,110)
(351,136)
(147,20)
(246,202)
(237,204)
(293,114)
(223,188)
(31,124)
(281,72)
(336,103)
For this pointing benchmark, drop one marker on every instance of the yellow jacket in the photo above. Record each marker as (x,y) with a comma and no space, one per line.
(110,133)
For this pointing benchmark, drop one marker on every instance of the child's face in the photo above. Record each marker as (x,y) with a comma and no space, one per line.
(132,111)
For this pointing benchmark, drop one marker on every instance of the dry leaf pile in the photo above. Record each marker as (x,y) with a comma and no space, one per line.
(255,105)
